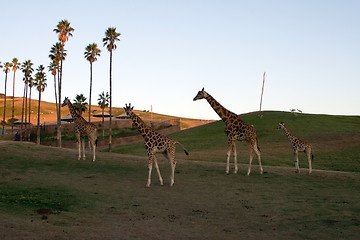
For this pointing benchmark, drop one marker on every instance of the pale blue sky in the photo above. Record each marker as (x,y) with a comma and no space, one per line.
(310,51)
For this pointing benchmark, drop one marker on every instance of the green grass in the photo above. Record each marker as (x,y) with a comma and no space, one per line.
(108,198)
(19,197)
(334,139)
(70,136)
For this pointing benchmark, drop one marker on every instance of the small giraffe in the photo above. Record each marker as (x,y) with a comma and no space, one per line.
(82,129)
(235,129)
(155,142)
(297,145)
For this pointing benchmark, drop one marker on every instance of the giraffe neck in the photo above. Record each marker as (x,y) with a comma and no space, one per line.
(223,113)
(73,112)
(287,132)
(139,123)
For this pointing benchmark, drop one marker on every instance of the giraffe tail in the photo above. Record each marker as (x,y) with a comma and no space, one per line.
(257,145)
(96,141)
(312,157)
(185,151)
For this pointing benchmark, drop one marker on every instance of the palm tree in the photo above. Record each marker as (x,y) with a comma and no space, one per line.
(15,65)
(40,83)
(103,102)
(6,69)
(80,104)
(54,67)
(30,84)
(109,41)
(27,70)
(65,31)
(91,53)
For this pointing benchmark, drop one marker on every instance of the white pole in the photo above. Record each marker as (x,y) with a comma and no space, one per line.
(262,91)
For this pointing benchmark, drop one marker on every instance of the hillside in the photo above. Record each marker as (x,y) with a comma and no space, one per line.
(335,141)
(48,113)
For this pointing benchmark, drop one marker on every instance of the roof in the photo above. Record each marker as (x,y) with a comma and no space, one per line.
(106,114)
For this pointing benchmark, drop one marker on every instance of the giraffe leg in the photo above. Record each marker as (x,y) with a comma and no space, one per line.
(83,148)
(229,150)
(308,153)
(151,160)
(93,148)
(235,160)
(251,158)
(158,171)
(258,154)
(172,180)
(77,134)
(170,155)
(296,156)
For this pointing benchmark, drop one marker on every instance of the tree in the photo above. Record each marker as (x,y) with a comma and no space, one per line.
(103,102)
(6,69)
(30,84)
(80,104)
(15,65)
(54,67)
(91,53)
(111,36)
(40,84)
(27,70)
(64,31)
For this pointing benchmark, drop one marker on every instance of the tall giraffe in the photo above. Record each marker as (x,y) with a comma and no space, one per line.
(82,129)
(155,142)
(297,145)
(235,129)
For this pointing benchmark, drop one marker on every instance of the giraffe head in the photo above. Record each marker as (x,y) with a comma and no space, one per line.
(128,109)
(66,102)
(201,94)
(281,125)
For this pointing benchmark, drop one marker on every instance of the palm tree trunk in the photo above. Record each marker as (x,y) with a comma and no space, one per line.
(26,87)
(38,122)
(13,103)
(90,91)
(110,102)
(103,127)
(59,107)
(3,129)
(56,100)
(22,115)
(29,113)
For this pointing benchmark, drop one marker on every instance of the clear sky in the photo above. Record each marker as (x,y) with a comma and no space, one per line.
(169,50)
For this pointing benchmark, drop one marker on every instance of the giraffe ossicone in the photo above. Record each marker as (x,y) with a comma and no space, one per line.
(82,129)
(235,130)
(155,142)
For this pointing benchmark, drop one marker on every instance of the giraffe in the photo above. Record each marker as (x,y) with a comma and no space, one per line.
(82,129)
(297,145)
(155,142)
(235,129)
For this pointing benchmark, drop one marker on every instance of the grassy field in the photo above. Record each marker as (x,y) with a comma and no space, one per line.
(45,193)
(335,141)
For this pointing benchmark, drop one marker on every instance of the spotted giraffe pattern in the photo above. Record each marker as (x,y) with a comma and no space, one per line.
(82,129)
(297,145)
(235,130)
(155,143)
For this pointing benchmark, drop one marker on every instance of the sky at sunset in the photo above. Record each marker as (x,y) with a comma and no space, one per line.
(169,50)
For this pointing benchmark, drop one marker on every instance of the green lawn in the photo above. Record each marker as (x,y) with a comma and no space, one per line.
(335,141)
